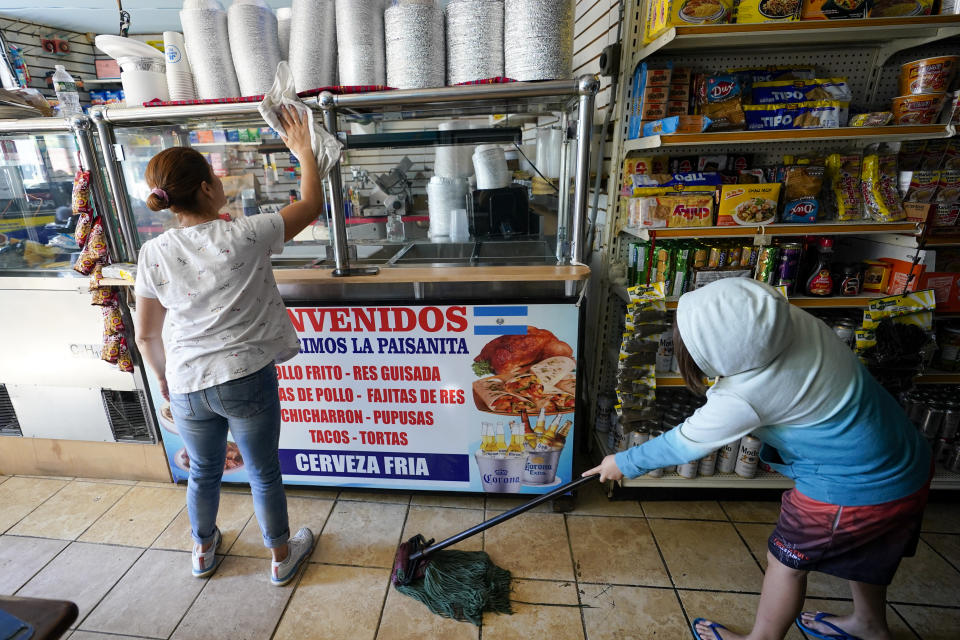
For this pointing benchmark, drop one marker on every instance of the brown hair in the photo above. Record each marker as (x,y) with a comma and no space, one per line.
(178,172)
(690,371)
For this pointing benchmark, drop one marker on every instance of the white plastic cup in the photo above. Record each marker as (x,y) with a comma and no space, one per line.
(459,225)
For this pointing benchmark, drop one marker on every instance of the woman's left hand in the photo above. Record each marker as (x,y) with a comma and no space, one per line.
(608,470)
(164,390)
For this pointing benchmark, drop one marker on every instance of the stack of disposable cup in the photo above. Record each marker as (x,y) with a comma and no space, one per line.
(444,195)
(284,16)
(490,164)
(208,49)
(254,45)
(179,74)
(454,161)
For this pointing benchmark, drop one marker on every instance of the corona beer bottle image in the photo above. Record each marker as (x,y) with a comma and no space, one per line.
(529,436)
(561,438)
(489,444)
(501,439)
(516,439)
(541,422)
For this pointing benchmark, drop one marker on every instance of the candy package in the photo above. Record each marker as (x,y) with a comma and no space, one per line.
(879,187)
(843,171)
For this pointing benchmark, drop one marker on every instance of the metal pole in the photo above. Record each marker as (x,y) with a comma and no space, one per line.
(338,224)
(118,185)
(563,195)
(82,130)
(588,86)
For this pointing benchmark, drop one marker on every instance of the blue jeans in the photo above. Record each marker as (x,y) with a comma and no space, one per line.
(250,408)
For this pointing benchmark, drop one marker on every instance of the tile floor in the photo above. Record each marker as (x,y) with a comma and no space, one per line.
(607,570)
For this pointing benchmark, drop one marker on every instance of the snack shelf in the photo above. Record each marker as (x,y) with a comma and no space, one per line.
(893,34)
(740,231)
(671,379)
(943,241)
(804,302)
(896,133)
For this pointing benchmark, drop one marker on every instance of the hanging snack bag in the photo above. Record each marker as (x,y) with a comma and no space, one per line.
(112,320)
(81,194)
(879,187)
(819,114)
(748,204)
(111,348)
(720,99)
(754,11)
(801,189)
(82,233)
(833,9)
(124,361)
(843,170)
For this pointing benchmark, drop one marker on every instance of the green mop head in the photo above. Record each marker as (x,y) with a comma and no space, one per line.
(454,584)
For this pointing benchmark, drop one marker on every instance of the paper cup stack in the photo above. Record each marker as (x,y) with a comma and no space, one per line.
(179,74)
(254,45)
(208,49)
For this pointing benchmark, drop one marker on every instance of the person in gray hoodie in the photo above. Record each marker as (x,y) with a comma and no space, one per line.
(861,470)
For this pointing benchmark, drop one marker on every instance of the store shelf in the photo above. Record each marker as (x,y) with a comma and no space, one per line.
(893,34)
(671,379)
(804,302)
(937,377)
(943,241)
(740,231)
(842,134)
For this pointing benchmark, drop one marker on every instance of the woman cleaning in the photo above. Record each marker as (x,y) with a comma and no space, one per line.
(211,324)
(861,470)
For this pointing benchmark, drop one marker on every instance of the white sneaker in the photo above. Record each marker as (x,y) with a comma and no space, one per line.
(300,547)
(205,563)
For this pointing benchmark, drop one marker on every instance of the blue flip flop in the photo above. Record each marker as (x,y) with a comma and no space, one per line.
(819,617)
(713,627)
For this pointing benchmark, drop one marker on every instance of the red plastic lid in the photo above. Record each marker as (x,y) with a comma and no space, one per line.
(826,243)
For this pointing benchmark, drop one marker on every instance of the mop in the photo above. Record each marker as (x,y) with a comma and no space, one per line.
(461,584)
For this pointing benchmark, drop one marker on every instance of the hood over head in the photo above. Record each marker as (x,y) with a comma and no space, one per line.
(734,325)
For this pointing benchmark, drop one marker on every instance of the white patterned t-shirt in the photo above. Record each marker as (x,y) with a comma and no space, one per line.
(225,317)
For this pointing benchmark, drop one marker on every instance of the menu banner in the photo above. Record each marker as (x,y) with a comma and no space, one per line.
(445,397)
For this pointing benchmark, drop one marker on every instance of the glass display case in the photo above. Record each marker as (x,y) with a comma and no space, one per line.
(36,184)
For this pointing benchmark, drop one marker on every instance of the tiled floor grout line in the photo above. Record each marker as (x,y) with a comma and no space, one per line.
(386,593)
(106,511)
(945,558)
(576,577)
(905,621)
(41,503)
(93,608)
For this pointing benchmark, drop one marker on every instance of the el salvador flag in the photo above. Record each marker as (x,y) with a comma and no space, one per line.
(491,321)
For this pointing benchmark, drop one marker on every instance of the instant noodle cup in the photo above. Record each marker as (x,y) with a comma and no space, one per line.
(929,75)
(917,109)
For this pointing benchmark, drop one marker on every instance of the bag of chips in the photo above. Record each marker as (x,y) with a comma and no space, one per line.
(720,99)
(81,194)
(113,320)
(801,189)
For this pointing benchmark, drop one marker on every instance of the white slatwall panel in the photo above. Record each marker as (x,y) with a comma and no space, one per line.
(27,36)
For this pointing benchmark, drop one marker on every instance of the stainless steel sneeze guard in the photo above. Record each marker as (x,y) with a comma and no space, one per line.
(413,103)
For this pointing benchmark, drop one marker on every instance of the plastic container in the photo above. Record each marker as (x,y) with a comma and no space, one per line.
(928,75)
(67,95)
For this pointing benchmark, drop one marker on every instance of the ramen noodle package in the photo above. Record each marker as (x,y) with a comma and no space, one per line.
(843,171)
(910,156)
(919,186)
(900,8)
(879,187)
(748,204)
(820,114)
(833,9)
(801,189)
(664,14)
(873,119)
(81,194)
(948,190)
(719,98)
(934,154)
(753,11)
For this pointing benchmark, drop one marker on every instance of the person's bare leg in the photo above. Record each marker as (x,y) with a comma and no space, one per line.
(781,599)
(280,553)
(868,620)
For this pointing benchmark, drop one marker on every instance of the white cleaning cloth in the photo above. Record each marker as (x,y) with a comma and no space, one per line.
(325,146)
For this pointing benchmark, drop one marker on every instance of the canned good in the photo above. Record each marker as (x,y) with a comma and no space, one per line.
(748,457)
(767,260)
(941,450)
(788,265)
(953,460)
(846,330)
(708,464)
(688,469)
(670,469)
(951,421)
(727,457)
(932,421)
(656,473)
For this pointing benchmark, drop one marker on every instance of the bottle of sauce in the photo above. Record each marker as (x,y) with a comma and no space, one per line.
(820,282)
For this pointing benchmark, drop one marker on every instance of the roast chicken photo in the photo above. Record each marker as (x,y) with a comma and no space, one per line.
(507,356)
(525,373)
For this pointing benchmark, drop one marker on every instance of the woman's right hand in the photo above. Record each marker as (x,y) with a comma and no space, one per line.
(297,130)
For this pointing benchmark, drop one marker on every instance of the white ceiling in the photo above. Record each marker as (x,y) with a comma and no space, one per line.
(102,16)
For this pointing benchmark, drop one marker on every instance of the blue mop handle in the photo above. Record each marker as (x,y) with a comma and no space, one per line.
(506,515)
